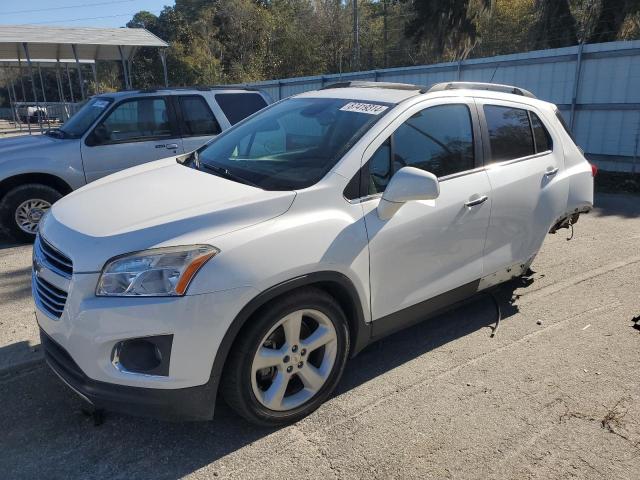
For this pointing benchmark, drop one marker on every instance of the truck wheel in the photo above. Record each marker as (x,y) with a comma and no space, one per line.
(22,208)
(289,359)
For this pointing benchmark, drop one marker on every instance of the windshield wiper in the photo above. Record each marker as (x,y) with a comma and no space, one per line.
(225,173)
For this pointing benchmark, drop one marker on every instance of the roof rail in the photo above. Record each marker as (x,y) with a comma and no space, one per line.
(366,84)
(202,88)
(492,87)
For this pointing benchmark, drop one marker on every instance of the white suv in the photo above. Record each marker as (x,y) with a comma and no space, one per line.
(262,261)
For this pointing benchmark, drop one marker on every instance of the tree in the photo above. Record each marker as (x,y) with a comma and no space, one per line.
(445,28)
(555,25)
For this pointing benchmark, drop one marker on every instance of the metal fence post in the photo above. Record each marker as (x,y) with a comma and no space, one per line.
(24,94)
(15,106)
(73,99)
(125,73)
(576,86)
(33,85)
(44,97)
(163,59)
(75,55)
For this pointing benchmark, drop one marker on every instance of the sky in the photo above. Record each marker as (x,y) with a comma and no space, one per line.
(76,13)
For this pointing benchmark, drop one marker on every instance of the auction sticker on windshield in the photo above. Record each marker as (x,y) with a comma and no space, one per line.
(370,108)
(100,104)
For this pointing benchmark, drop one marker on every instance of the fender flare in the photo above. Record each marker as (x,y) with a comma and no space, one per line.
(359,329)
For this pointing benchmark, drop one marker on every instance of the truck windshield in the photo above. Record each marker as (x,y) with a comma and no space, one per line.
(84,118)
(292,144)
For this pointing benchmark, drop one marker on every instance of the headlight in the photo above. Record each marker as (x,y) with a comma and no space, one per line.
(153,273)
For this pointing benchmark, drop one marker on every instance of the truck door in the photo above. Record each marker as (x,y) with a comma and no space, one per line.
(197,122)
(134,131)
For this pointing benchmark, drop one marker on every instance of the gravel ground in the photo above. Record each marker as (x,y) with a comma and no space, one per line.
(555,394)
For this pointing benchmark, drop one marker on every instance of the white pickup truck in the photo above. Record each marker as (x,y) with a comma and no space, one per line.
(110,133)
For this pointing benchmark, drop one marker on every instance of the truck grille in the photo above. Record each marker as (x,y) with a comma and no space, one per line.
(52,258)
(51,299)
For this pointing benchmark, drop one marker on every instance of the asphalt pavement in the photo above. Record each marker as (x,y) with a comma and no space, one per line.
(555,394)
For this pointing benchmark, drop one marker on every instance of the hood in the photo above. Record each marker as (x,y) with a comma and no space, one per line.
(23,145)
(158,204)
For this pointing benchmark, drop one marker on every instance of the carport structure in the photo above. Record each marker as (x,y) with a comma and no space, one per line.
(23,45)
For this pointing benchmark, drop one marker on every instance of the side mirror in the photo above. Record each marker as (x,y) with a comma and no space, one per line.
(407,184)
(99,136)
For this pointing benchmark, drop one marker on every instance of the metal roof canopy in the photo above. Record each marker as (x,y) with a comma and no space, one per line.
(29,42)
(60,42)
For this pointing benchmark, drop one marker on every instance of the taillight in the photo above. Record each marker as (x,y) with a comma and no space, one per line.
(594,170)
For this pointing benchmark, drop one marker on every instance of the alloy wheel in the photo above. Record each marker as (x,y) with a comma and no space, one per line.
(29,213)
(294,360)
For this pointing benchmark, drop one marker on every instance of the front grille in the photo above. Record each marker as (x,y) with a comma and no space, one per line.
(50,298)
(53,258)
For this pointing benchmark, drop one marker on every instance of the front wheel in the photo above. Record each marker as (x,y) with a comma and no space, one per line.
(289,360)
(22,208)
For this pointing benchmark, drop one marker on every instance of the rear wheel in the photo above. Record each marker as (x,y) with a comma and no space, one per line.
(289,360)
(22,208)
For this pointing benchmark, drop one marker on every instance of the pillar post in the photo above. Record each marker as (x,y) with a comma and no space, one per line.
(75,55)
(33,84)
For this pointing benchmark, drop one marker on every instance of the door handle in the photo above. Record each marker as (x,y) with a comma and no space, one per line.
(171,146)
(550,172)
(476,201)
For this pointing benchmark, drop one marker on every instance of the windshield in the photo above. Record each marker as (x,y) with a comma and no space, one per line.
(292,144)
(84,118)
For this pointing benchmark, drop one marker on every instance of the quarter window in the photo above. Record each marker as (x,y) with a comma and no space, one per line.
(135,120)
(197,117)
(509,133)
(540,134)
(437,139)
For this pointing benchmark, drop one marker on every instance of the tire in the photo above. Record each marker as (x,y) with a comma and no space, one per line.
(247,389)
(41,198)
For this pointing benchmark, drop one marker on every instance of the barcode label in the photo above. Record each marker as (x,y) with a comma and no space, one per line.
(370,108)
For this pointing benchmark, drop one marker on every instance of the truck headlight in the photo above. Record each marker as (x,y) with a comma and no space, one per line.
(156,272)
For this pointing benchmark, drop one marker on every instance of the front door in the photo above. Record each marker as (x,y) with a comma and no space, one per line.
(135,131)
(432,248)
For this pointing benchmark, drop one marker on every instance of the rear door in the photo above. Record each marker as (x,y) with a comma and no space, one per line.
(524,161)
(134,131)
(197,122)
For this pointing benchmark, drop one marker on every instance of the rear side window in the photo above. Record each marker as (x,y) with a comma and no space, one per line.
(238,106)
(197,117)
(509,133)
(540,134)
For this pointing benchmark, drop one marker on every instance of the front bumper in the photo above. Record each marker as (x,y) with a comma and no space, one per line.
(192,403)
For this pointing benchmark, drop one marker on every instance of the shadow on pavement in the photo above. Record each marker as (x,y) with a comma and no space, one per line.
(621,205)
(46,435)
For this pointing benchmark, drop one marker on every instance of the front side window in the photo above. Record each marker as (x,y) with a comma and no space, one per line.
(197,118)
(437,139)
(292,144)
(238,106)
(135,120)
(509,133)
